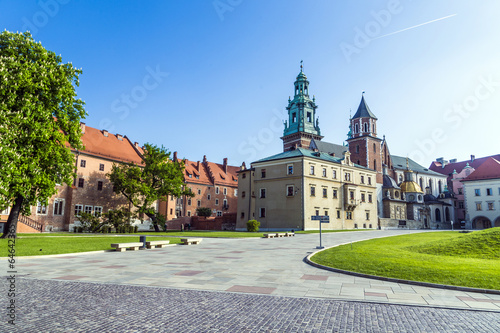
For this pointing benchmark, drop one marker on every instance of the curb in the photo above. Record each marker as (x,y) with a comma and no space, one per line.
(308,260)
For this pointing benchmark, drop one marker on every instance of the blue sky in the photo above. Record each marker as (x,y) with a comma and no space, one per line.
(213,77)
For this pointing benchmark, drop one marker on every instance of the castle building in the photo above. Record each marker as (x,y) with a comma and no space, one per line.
(309,178)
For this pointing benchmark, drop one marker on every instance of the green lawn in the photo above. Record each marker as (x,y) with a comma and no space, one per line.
(42,245)
(327,231)
(449,257)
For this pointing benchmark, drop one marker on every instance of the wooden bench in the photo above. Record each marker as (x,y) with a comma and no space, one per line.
(123,246)
(188,241)
(269,235)
(154,244)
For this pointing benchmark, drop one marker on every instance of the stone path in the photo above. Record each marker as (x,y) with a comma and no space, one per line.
(251,280)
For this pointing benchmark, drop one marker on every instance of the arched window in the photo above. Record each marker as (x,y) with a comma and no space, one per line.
(430,186)
(421,184)
(447,214)
(357,149)
(438,215)
(366,127)
(373,126)
(374,148)
(356,128)
(440,187)
(375,165)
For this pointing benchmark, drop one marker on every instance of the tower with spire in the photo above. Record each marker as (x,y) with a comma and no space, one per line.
(364,145)
(302,125)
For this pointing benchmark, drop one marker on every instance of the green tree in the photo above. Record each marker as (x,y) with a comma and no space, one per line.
(118,217)
(156,179)
(39,116)
(90,222)
(203,211)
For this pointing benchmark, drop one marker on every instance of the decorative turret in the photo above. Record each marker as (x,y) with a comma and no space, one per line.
(302,125)
(364,121)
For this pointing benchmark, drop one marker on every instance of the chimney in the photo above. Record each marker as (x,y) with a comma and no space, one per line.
(119,137)
(175,156)
(82,126)
(472,158)
(198,166)
(105,133)
(225,165)
(439,159)
(453,160)
(136,144)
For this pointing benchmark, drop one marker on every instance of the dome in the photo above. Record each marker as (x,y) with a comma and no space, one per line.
(411,186)
(389,182)
(301,76)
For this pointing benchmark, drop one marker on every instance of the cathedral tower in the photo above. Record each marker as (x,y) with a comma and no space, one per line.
(302,125)
(364,145)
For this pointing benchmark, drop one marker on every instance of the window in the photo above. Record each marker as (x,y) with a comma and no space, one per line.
(309,116)
(99,185)
(199,191)
(370,198)
(290,169)
(326,213)
(313,191)
(216,202)
(89,209)
(242,216)
(78,209)
(189,213)
(289,190)
(263,173)
(224,203)
(347,177)
(489,191)
(375,165)
(324,172)
(362,179)
(101,167)
(348,215)
(374,148)
(262,193)
(189,202)
(97,211)
(209,197)
(338,213)
(224,191)
(369,180)
(219,213)
(216,189)
(367,216)
(351,195)
(461,204)
(335,193)
(190,175)
(41,209)
(325,195)
(356,128)
(198,203)
(334,174)
(477,192)
(312,170)
(491,206)
(235,192)
(197,177)
(460,190)
(363,197)
(80,182)
(262,212)
(317,212)
(357,149)
(243,194)
(294,117)
(171,211)
(243,175)
(83,163)
(58,206)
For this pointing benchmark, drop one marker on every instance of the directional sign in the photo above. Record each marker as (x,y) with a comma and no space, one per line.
(321,218)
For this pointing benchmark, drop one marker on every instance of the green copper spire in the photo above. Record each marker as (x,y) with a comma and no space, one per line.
(301,110)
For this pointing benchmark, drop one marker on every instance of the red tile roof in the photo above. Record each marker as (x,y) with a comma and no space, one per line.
(490,169)
(210,173)
(111,146)
(448,168)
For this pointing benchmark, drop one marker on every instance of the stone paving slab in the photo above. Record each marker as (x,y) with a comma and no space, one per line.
(74,306)
(264,263)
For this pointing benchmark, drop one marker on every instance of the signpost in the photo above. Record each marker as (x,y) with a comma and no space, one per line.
(321,219)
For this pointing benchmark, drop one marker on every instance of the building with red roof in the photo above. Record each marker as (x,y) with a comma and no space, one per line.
(482,195)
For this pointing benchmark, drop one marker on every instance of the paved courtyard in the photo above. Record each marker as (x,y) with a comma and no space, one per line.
(234,285)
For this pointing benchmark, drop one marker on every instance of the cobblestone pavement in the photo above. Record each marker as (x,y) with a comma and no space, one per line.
(262,266)
(72,306)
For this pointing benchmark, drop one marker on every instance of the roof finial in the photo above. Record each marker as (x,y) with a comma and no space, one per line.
(407,164)
(301,67)
(363,92)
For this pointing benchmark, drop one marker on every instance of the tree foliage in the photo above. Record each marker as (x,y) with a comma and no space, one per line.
(203,211)
(253,225)
(157,178)
(39,117)
(118,217)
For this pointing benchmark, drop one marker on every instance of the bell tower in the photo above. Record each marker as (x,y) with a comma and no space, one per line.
(302,125)
(364,145)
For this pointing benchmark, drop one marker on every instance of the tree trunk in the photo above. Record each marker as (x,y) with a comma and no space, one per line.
(154,221)
(10,229)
